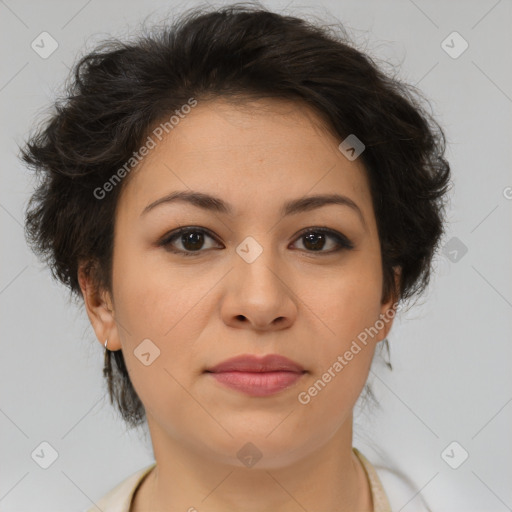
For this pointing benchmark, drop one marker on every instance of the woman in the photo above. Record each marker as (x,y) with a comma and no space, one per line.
(243,200)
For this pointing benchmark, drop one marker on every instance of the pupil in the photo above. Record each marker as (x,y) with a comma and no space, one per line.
(192,241)
(314,241)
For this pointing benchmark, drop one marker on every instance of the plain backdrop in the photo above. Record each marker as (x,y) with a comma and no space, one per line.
(451,354)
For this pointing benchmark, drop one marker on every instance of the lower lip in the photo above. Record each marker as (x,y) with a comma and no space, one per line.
(257,383)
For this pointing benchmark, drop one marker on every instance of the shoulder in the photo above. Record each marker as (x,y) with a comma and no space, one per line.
(120,497)
(400,491)
(396,487)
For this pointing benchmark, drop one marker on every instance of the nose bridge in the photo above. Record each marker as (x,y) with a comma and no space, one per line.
(257,292)
(257,266)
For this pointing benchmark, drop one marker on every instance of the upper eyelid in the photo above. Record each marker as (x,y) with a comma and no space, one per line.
(183,229)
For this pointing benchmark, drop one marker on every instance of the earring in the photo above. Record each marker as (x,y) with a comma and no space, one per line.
(107,368)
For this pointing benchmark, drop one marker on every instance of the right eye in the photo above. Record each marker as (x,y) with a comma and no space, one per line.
(190,238)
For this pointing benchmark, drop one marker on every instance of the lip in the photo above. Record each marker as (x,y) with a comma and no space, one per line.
(256,375)
(253,363)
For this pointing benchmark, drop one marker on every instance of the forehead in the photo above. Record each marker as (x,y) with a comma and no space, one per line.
(251,153)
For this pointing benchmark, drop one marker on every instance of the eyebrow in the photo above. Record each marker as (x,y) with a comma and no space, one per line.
(292,207)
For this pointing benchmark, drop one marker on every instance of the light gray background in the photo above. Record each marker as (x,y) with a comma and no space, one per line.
(451,353)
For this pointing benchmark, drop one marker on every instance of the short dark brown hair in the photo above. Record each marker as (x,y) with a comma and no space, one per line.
(121,90)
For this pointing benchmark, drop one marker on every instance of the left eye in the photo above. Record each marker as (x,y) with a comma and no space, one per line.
(192,240)
(316,239)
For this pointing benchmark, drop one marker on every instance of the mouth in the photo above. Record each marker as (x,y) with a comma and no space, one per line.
(257,376)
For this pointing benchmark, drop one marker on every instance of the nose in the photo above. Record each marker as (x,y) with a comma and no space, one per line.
(258,296)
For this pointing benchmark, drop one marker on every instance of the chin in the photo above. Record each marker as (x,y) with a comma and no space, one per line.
(266,448)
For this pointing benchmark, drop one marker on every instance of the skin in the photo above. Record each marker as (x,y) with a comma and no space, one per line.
(200,310)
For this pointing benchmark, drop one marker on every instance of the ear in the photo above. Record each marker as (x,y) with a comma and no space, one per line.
(99,307)
(389,308)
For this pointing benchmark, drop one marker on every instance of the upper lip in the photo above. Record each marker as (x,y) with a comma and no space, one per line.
(253,363)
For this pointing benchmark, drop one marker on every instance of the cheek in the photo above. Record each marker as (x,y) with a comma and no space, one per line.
(348,302)
(169,307)
(153,297)
(347,308)
(160,304)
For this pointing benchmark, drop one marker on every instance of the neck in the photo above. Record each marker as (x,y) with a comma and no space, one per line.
(330,478)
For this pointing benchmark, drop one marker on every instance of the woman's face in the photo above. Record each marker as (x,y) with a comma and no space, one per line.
(247,279)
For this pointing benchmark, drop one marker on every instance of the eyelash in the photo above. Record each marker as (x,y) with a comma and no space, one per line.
(343,242)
